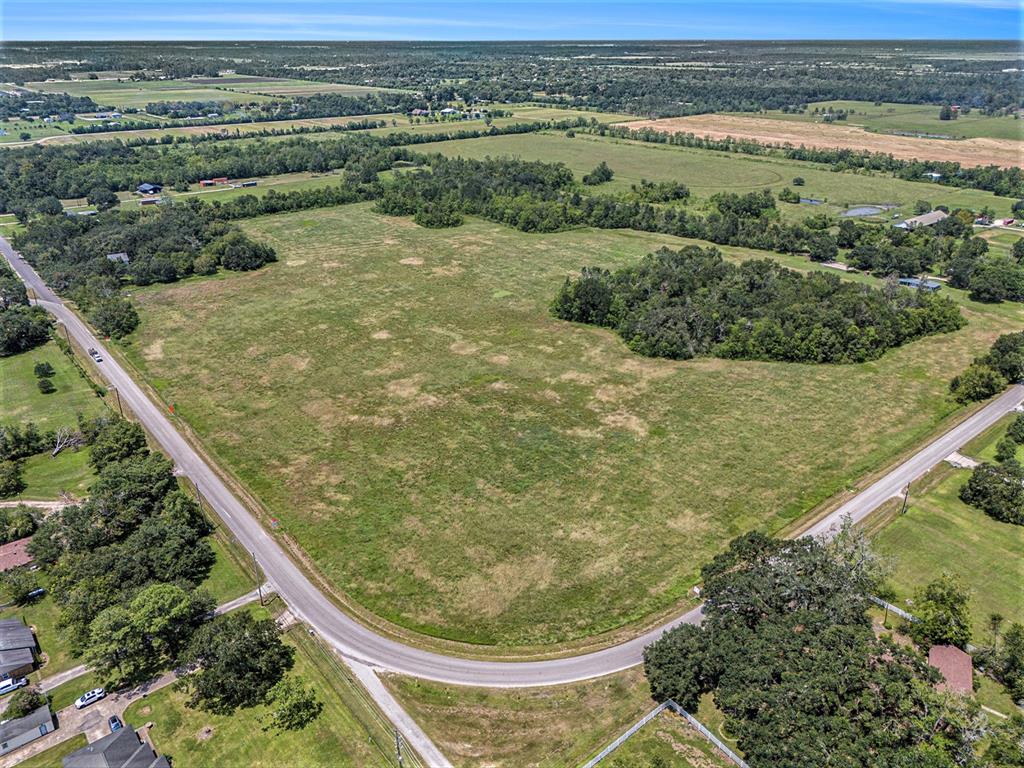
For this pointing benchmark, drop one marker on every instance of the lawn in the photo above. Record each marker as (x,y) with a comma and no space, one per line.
(48,478)
(707,173)
(554,726)
(21,400)
(463,464)
(52,757)
(940,533)
(42,615)
(910,118)
(668,741)
(125,94)
(337,738)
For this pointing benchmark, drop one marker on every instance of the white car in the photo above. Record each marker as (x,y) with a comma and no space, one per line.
(12,684)
(90,697)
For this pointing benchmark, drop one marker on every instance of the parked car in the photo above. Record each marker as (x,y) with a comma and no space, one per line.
(115,723)
(90,697)
(12,684)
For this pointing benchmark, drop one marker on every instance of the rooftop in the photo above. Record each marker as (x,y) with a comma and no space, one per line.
(956,666)
(120,749)
(14,553)
(30,722)
(14,634)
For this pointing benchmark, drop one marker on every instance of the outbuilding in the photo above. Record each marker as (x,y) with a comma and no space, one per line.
(918,284)
(924,220)
(147,188)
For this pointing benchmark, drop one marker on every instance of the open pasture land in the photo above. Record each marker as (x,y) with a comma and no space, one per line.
(940,533)
(21,400)
(465,465)
(907,118)
(279,86)
(137,94)
(706,172)
(967,152)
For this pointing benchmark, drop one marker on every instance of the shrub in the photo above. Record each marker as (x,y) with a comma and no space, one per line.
(24,702)
(46,386)
(977,382)
(11,481)
(43,370)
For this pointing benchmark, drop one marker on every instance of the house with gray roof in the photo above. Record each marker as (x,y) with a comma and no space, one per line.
(18,733)
(924,220)
(121,749)
(17,648)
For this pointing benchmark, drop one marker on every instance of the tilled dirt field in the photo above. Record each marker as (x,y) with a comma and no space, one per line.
(967,152)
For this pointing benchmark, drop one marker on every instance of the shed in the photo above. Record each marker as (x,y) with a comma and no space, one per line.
(956,666)
(14,554)
(17,733)
(121,749)
(149,189)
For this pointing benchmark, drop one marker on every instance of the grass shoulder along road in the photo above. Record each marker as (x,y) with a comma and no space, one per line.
(462,464)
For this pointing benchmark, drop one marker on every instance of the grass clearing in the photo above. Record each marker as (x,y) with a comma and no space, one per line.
(940,533)
(668,741)
(891,117)
(129,94)
(21,400)
(47,478)
(555,726)
(463,464)
(337,738)
(706,172)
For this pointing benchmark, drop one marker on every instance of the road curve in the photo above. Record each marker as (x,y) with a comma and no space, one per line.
(362,644)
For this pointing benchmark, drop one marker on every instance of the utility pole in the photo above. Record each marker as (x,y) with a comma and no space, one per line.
(117,396)
(256,573)
(906,498)
(398,748)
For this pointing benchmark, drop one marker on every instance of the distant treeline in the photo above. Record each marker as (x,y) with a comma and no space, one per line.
(45,104)
(691,302)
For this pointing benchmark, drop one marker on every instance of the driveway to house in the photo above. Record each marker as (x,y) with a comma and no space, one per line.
(361,644)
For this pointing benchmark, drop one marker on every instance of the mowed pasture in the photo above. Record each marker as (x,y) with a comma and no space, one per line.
(891,117)
(706,172)
(137,94)
(967,152)
(465,465)
(281,86)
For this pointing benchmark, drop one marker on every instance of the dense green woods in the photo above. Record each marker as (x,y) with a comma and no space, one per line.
(691,302)
(22,327)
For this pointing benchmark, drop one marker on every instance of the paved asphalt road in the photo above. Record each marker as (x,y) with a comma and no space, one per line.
(363,645)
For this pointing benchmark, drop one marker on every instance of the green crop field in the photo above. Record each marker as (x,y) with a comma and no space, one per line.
(463,464)
(125,94)
(706,173)
(940,533)
(910,118)
(337,738)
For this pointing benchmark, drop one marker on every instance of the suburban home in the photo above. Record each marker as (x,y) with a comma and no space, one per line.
(956,666)
(17,733)
(924,220)
(149,189)
(121,749)
(926,285)
(17,649)
(14,554)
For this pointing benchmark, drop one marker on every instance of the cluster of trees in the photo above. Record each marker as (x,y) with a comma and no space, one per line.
(1003,655)
(998,489)
(1007,182)
(22,327)
(45,104)
(681,304)
(787,650)
(599,175)
(990,373)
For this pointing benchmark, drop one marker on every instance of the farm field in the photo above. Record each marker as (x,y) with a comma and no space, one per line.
(706,172)
(940,533)
(907,118)
(137,94)
(554,726)
(967,152)
(337,738)
(461,463)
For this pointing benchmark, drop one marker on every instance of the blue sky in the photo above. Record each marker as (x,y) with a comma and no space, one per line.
(505,20)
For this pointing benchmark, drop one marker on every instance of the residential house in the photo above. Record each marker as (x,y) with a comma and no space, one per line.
(14,554)
(17,733)
(956,666)
(17,649)
(925,285)
(122,257)
(149,189)
(121,749)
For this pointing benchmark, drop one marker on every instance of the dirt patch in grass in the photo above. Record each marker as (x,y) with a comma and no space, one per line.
(967,152)
(205,733)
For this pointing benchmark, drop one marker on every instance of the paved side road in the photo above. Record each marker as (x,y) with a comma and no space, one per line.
(360,644)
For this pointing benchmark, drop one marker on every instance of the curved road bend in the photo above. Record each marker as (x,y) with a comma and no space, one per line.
(362,644)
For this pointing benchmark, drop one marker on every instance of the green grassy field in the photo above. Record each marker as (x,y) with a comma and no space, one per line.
(48,478)
(125,94)
(555,726)
(52,757)
(193,738)
(940,533)
(706,173)
(463,464)
(672,741)
(910,118)
(21,400)
(274,86)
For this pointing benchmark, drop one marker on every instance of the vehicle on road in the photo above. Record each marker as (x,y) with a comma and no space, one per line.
(12,684)
(90,697)
(115,723)
(95,355)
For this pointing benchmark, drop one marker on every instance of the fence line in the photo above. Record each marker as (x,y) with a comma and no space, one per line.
(893,609)
(670,704)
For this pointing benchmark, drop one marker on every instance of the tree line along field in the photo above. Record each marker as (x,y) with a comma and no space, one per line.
(707,172)
(465,465)
(906,118)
